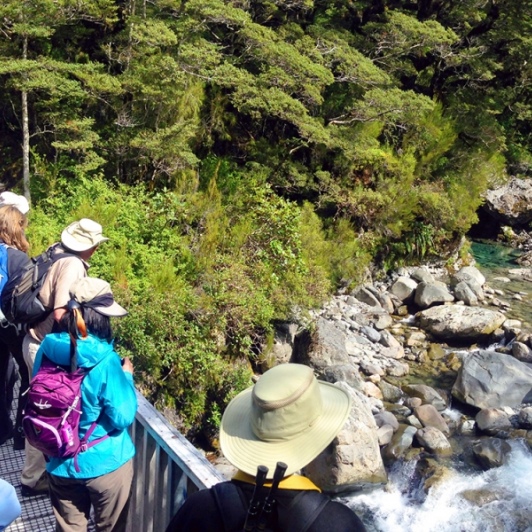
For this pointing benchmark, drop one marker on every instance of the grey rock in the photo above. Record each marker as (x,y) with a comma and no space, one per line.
(385,434)
(492,421)
(386,418)
(511,204)
(430,417)
(428,294)
(463,293)
(422,275)
(387,302)
(472,272)
(401,442)
(460,323)
(370,368)
(343,372)
(371,334)
(427,394)
(522,352)
(413,402)
(396,368)
(353,459)
(491,452)
(433,440)
(323,347)
(390,393)
(381,320)
(525,418)
(363,294)
(414,421)
(404,288)
(488,379)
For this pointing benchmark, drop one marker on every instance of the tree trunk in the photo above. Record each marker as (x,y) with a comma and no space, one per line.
(25,137)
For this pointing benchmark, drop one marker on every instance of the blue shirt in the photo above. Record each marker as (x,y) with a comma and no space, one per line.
(107,396)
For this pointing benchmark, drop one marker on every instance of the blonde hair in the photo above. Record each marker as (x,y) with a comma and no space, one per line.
(12,226)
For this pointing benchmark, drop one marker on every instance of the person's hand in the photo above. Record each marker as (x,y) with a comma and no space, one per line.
(127,365)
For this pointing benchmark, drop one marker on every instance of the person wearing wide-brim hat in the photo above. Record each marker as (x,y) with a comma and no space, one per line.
(287,417)
(79,240)
(101,475)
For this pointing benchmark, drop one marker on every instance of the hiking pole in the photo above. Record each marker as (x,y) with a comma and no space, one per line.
(254,504)
(269,503)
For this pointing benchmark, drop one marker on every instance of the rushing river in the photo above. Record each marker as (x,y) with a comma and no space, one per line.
(503,496)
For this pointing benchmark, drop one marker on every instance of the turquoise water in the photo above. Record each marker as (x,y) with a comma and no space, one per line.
(497,261)
(493,256)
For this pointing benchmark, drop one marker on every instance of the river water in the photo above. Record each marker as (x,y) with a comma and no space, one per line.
(503,495)
(403,506)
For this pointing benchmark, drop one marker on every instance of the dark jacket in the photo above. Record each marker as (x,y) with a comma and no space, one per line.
(200,513)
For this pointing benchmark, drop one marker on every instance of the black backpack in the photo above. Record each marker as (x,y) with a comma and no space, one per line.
(298,517)
(19,301)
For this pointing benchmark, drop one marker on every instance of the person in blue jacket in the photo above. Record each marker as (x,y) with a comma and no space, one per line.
(108,397)
(9,504)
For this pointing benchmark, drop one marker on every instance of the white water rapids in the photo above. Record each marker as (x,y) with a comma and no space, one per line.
(403,507)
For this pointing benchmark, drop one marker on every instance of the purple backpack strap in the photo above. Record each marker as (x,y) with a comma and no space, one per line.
(85,444)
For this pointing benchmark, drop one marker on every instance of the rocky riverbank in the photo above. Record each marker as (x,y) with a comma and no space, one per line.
(407,349)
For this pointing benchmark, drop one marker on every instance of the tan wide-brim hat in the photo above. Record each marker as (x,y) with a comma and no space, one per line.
(82,235)
(287,416)
(96,294)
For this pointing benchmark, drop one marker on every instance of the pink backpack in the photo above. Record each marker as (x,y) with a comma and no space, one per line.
(52,412)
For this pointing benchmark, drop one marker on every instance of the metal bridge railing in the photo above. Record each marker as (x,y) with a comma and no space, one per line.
(167,468)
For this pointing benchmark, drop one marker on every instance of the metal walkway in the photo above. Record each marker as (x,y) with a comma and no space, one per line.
(37,515)
(166,469)
(36,511)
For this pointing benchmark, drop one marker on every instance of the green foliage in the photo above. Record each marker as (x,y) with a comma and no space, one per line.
(203,281)
(260,152)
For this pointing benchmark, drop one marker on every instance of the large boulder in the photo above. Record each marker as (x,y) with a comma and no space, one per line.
(434,293)
(427,394)
(460,323)
(433,440)
(353,460)
(323,347)
(430,417)
(493,380)
(404,288)
(512,203)
(468,273)
(492,452)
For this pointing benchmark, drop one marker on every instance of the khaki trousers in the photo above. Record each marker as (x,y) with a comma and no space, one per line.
(34,464)
(108,494)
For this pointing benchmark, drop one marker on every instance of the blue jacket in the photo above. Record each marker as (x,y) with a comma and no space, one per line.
(9,504)
(107,395)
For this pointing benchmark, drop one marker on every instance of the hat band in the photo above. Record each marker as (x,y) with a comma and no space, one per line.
(298,413)
(105,300)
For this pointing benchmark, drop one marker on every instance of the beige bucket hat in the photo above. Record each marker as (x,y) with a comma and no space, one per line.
(82,235)
(287,416)
(96,294)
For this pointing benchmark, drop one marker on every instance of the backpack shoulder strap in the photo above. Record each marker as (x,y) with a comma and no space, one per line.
(303,511)
(232,505)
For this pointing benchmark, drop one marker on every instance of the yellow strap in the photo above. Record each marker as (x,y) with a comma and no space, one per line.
(292,482)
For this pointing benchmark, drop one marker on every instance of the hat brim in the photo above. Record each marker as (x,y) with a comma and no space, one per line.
(115,310)
(72,244)
(246,452)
